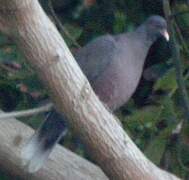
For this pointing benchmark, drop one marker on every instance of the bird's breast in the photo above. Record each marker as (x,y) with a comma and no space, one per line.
(117,84)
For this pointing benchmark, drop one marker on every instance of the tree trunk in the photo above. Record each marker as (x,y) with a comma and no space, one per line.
(44,48)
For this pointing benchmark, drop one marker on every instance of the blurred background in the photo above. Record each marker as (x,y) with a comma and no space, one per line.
(155,110)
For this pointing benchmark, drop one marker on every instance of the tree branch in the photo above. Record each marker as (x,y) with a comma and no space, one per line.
(63,164)
(29,112)
(61,27)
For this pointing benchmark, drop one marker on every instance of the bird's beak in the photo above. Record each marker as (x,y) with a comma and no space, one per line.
(165,34)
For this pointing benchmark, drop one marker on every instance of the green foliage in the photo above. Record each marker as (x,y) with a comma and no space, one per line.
(119,22)
(167,82)
(157,147)
(75,33)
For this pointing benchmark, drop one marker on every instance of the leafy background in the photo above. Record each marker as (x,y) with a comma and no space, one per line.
(155,109)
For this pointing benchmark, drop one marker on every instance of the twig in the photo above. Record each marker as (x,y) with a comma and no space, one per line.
(24,113)
(4,67)
(176,59)
(8,43)
(172,92)
(181,38)
(172,142)
(176,133)
(59,24)
(180,79)
(179,13)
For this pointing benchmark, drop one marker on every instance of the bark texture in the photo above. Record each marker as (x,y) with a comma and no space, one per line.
(62,164)
(42,45)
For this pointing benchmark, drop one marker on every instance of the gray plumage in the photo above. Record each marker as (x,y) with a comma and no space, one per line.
(113,65)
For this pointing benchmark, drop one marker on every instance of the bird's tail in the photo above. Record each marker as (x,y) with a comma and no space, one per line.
(41,144)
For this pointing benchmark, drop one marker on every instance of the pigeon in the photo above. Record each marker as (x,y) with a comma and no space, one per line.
(113,65)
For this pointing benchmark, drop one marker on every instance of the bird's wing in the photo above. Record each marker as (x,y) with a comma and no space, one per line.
(95,57)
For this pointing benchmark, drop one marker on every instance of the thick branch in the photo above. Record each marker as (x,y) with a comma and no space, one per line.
(106,141)
(62,164)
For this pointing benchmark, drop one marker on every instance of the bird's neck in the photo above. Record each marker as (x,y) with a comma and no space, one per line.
(142,33)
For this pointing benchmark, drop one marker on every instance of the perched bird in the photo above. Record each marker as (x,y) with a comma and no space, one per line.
(113,66)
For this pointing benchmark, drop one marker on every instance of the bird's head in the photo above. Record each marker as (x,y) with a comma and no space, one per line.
(156,26)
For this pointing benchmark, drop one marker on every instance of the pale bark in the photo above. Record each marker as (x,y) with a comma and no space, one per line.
(25,113)
(62,164)
(45,49)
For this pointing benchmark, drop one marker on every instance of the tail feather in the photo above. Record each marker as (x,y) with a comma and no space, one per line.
(30,149)
(37,151)
(38,160)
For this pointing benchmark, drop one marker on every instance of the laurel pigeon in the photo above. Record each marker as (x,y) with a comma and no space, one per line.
(113,66)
